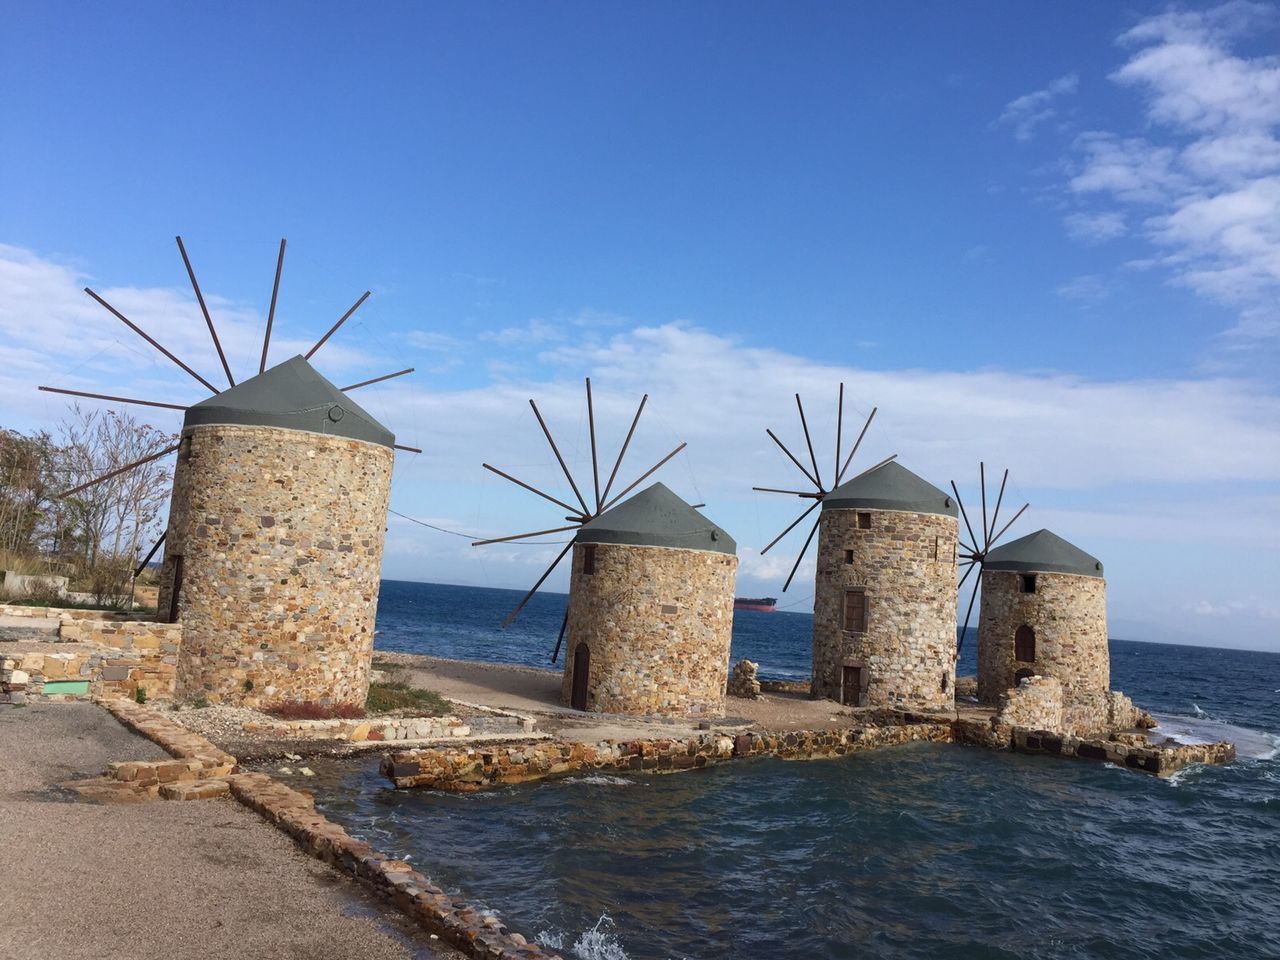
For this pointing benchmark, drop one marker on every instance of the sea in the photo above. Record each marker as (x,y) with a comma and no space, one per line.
(919,851)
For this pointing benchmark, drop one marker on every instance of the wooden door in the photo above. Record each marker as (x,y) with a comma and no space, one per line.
(172,614)
(581,674)
(853,683)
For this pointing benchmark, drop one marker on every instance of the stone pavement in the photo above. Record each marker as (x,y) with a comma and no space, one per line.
(157,879)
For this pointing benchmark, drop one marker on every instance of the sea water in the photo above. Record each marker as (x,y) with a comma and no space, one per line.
(918,851)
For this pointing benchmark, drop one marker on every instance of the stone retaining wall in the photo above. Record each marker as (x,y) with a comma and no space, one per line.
(1132,752)
(465,770)
(358,731)
(88,670)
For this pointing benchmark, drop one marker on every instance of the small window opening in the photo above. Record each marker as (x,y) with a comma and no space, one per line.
(937,547)
(1027,583)
(864,521)
(945,681)
(588,559)
(855,610)
(848,556)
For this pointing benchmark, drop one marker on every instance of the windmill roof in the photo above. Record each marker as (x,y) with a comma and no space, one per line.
(656,517)
(292,396)
(1043,552)
(890,486)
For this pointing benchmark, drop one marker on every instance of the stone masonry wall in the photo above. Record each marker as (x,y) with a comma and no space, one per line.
(1035,703)
(907,564)
(1069,616)
(280,534)
(657,622)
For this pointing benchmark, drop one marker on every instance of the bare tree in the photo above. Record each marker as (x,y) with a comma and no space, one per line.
(27,484)
(110,520)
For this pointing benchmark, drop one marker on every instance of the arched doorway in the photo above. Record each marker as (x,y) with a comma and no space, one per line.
(1024,645)
(581,674)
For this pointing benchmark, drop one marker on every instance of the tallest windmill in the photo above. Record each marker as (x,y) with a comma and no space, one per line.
(275,535)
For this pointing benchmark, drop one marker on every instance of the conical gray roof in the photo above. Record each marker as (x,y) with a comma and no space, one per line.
(1043,552)
(656,517)
(291,396)
(890,486)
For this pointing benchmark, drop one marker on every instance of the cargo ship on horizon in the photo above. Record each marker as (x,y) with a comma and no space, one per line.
(765,604)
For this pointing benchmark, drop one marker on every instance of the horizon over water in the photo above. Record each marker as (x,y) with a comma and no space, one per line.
(908,852)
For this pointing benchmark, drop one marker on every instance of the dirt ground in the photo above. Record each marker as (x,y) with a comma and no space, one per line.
(159,879)
(537,693)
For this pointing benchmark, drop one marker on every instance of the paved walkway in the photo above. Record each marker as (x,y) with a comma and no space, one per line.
(158,879)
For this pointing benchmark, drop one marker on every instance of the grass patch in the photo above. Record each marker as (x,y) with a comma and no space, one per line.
(391,697)
(380,664)
(60,604)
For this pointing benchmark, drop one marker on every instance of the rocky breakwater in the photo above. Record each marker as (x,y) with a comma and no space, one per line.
(465,770)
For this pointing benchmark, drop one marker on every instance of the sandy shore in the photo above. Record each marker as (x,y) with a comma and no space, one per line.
(159,879)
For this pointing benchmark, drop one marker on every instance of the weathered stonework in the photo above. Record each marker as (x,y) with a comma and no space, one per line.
(1068,615)
(280,535)
(657,623)
(906,562)
(1035,703)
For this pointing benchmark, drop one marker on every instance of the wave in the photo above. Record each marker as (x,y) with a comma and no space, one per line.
(593,944)
(1203,729)
(604,780)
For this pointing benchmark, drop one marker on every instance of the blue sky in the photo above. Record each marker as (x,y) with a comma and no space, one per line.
(1047,236)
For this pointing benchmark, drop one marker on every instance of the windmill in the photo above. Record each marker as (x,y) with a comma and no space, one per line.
(585,511)
(820,491)
(226,368)
(975,556)
(276,525)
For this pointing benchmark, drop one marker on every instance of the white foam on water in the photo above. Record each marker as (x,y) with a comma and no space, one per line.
(604,780)
(1202,729)
(598,943)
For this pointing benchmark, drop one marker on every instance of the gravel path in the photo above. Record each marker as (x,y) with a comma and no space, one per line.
(159,879)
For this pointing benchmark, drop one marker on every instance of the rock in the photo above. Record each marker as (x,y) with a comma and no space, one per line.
(743,682)
(306,771)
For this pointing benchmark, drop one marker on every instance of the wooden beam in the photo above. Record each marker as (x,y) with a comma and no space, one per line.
(151,340)
(341,320)
(387,376)
(217,345)
(271,314)
(115,473)
(104,396)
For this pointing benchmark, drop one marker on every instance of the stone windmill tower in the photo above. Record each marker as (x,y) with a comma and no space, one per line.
(884,603)
(650,613)
(1043,613)
(650,597)
(276,526)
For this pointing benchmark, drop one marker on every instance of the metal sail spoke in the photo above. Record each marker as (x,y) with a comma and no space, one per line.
(150,553)
(972,565)
(839,434)
(817,475)
(521,536)
(857,443)
(996,513)
(803,551)
(401,446)
(623,452)
(217,345)
(532,489)
(982,485)
(791,526)
(386,376)
(595,464)
(964,513)
(151,340)
(791,456)
(520,606)
(115,473)
(271,314)
(104,396)
(555,654)
(795,493)
(965,629)
(334,329)
(644,476)
(1010,523)
(556,450)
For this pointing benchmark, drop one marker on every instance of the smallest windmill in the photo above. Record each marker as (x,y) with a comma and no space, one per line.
(820,490)
(976,550)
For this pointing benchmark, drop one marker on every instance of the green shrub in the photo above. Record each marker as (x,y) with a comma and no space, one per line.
(140,695)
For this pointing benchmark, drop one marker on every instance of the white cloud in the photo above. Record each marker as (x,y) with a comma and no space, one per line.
(1028,111)
(1089,288)
(1202,182)
(1096,227)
